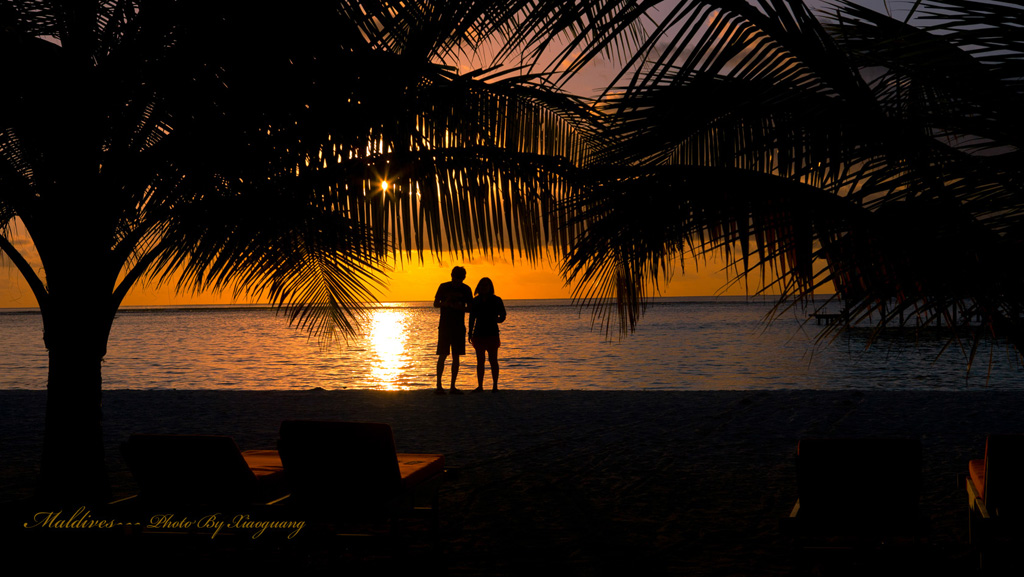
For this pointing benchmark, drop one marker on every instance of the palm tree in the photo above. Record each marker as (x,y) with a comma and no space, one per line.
(288,152)
(853,149)
(193,141)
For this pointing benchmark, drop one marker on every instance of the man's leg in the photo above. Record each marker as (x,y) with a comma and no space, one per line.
(440,370)
(455,370)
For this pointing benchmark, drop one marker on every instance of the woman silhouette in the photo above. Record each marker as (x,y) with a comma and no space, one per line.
(485,312)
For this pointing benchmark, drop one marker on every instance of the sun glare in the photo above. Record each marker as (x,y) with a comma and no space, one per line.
(384,185)
(388,336)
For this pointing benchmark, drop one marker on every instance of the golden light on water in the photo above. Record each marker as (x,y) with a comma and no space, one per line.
(388,340)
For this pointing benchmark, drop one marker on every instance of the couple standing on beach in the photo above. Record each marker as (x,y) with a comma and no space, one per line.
(486,310)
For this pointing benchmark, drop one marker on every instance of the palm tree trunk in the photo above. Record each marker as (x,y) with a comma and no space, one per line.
(73,469)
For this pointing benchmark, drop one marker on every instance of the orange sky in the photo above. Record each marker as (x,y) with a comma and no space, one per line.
(411,281)
(523,281)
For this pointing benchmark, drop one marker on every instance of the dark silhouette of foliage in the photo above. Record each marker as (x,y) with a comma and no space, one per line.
(878,155)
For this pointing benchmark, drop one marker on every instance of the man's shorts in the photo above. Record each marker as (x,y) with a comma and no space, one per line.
(451,341)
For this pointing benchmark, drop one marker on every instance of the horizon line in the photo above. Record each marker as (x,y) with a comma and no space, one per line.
(425,303)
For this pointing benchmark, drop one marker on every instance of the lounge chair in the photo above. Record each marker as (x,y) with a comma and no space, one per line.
(865,489)
(995,489)
(193,471)
(344,470)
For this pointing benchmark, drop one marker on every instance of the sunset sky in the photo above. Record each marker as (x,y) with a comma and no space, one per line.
(414,281)
(411,281)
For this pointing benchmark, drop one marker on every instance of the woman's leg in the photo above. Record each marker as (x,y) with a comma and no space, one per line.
(493,355)
(480,368)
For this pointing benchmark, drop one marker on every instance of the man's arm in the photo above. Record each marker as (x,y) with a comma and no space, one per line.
(437,297)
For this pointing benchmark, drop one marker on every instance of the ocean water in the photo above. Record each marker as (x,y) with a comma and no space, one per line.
(681,344)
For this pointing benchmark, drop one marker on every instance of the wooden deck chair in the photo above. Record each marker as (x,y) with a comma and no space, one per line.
(345,470)
(995,489)
(865,489)
(196,471)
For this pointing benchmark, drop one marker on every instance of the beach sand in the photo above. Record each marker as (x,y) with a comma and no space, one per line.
(589,483)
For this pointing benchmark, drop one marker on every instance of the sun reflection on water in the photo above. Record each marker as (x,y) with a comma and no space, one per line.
(388,337)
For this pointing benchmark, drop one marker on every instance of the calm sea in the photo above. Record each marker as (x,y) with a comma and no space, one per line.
(680,345)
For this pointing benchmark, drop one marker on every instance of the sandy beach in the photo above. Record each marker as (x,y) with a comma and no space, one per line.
(587,483)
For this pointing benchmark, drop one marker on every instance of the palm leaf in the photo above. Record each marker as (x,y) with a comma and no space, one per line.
(917,163)
(210,173)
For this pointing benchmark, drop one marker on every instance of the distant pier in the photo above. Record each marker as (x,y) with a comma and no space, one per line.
(830,318)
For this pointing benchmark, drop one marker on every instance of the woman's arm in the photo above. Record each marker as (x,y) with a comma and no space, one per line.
(501,310)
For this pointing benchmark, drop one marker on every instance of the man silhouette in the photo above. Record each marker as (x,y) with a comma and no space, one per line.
(453,299)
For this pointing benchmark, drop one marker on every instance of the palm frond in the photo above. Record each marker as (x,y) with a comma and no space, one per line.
(203,167)
(640,221)
(859,110)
